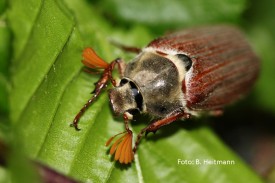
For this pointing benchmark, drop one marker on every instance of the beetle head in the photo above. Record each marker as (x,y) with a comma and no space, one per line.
(126,97)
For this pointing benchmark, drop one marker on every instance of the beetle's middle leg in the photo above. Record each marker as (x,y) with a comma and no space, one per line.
(126,48)
(153,127)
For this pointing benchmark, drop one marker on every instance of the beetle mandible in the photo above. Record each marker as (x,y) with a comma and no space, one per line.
(183,74)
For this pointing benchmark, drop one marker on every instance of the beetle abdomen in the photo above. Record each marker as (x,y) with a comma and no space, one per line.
(224,67)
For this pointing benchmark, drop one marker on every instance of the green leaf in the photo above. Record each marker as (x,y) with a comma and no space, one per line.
(262,34)
(49,87)
(5,54)
(29,67)
(174,13)
(5,46)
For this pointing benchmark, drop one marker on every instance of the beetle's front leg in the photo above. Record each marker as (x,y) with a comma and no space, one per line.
(154,126)
(106,76)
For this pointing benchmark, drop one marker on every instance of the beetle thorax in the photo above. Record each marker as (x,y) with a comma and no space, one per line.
(152,84)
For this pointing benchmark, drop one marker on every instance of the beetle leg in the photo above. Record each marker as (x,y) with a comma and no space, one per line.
(153,127)
(106,76)
(91,71)
(126,48)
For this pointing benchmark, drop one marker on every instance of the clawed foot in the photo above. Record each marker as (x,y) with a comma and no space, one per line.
(75,126)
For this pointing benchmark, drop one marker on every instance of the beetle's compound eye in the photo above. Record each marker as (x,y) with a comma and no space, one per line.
(123,82)
(186,60)
(137,95)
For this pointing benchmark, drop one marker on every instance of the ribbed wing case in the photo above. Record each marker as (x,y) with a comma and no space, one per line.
(224,67)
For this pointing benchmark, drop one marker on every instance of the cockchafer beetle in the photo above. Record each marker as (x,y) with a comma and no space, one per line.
(183,74)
